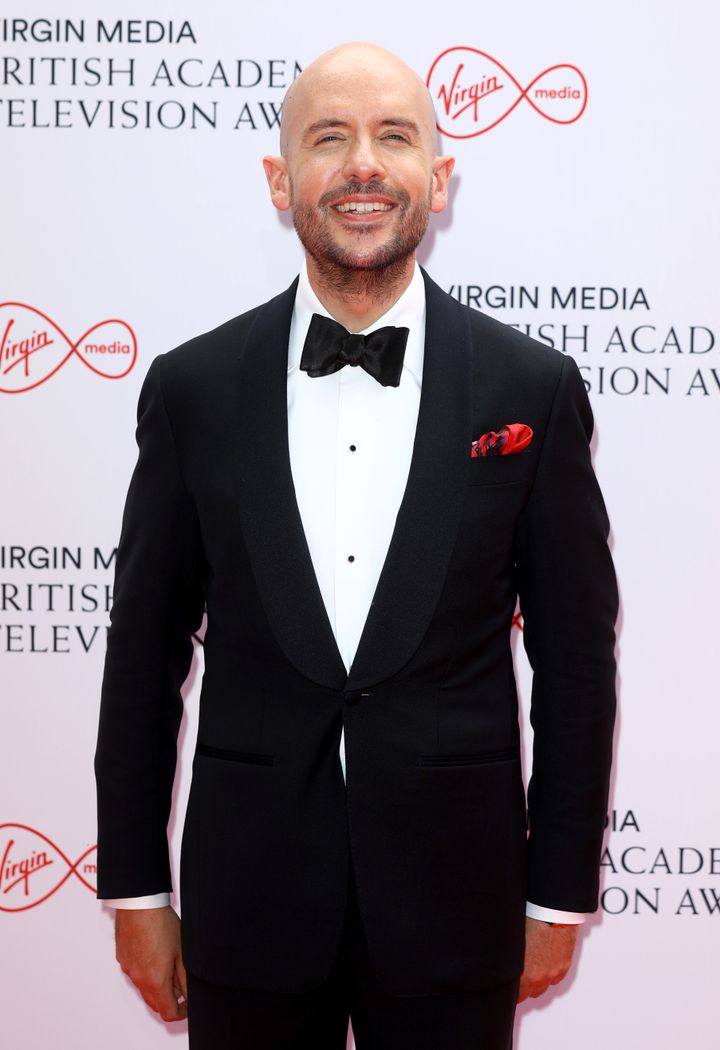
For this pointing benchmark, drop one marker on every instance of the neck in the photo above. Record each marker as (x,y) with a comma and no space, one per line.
(356,298)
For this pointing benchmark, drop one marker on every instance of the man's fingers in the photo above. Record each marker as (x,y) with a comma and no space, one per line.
(177,990)
(148,950)
(172,1010)
(531,989)
(162,997)
(548,956)
(165,1003)
(523,991)
(562,946)
(181,976)
(558,974)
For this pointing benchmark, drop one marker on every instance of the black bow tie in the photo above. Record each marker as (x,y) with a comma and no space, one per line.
(329,346)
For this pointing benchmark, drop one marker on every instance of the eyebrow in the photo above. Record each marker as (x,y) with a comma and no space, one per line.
(336,122)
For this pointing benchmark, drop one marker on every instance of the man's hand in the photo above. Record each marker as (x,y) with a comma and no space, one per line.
(147,946)
(548,954)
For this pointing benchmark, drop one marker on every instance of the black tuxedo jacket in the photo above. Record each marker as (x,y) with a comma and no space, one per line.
(434,809)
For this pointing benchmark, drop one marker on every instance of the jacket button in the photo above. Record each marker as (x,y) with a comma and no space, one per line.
(356,695)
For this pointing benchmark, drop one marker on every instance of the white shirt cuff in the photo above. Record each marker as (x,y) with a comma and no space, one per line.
(536,911)
(153,900)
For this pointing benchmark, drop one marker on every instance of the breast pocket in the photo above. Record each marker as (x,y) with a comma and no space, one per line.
(500,470)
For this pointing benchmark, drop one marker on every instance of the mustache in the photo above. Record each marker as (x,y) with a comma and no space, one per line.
(362,189)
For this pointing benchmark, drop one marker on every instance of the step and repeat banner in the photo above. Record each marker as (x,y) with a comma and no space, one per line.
(135,214)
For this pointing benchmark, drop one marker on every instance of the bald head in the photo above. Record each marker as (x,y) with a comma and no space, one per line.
(365,72)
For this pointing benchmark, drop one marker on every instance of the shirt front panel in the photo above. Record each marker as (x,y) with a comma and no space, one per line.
(350,443)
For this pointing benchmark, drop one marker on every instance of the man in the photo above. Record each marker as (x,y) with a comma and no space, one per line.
(359,514)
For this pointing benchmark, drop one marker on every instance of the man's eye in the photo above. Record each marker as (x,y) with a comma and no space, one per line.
(397,136)
(329,138)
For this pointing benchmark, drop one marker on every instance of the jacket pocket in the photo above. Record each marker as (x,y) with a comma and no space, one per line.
(500,470)
(254,757)
(469,759)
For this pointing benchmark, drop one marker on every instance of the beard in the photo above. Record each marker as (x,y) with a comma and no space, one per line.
(360,270)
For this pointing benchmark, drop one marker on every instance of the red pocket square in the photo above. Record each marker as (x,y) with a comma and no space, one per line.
(513,437)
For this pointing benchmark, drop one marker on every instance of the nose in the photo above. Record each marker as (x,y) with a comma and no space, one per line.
(362,161)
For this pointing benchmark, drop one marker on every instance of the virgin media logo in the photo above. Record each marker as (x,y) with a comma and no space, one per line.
(33,348)
(33,868)
(473,92)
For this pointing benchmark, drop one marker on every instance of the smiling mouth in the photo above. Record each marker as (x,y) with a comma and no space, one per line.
(362,207)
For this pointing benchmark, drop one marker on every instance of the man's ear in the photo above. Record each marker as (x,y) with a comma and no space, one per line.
(276,173)
(442,170)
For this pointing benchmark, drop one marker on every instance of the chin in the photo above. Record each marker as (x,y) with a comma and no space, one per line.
(367,257)
(363,260)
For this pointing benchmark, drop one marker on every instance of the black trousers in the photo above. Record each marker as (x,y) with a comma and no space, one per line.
(222,1018)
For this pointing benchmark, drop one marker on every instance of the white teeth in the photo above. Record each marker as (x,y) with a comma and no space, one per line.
(363,207)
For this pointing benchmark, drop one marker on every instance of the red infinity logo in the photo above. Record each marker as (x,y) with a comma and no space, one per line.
(473,92)
(32,868)
(33,348)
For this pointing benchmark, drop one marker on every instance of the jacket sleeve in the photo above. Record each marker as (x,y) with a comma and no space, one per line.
(158,602)
(569,601)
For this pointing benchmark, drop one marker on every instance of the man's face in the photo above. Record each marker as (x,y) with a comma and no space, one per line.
(361,171)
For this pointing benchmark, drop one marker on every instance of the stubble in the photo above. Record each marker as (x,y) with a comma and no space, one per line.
(359,271)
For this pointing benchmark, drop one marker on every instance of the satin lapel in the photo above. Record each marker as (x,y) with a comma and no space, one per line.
(426,527)
(272,526)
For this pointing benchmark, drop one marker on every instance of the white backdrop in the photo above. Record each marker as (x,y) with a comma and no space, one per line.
(133,200)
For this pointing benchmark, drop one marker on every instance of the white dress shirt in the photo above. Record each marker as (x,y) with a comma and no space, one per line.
(351,443)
